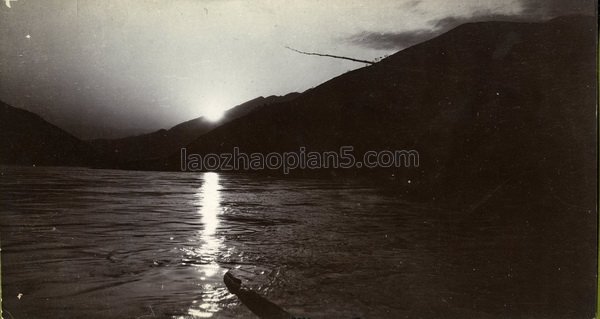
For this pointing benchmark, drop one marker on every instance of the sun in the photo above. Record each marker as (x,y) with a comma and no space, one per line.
(214,114)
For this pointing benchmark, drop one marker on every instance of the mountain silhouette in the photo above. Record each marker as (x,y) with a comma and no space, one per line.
(483,104)
(165,142)
(27,139)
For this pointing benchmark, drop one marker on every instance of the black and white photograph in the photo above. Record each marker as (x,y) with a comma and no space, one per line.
(309,159)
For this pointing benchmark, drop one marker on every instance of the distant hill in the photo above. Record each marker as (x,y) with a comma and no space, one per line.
(483,103)
(164,142)
(27,139)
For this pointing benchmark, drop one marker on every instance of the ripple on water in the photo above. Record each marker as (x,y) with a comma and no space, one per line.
(101,243)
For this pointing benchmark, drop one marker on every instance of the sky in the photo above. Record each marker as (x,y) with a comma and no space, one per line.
(113,68)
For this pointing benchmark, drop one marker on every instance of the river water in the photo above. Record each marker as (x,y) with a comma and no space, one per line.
(82,243)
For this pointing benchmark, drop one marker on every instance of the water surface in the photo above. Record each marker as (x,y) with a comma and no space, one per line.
(120,244)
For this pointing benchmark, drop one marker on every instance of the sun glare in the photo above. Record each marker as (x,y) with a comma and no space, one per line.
(214,114)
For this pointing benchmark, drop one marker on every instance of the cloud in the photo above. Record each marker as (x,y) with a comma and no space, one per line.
(531,10)
(452,22)
(404,39)
(390,40)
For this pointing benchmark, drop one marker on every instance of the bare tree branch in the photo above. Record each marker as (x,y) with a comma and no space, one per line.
(331,56)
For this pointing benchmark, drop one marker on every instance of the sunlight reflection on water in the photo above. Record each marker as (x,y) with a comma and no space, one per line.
(209,271)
